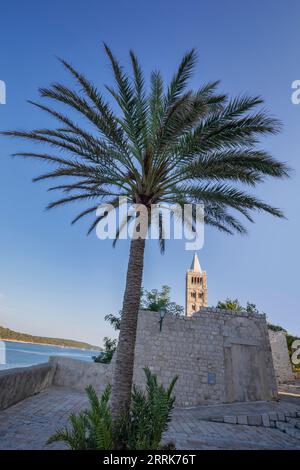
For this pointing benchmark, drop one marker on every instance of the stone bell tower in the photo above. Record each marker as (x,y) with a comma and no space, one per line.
(195,290)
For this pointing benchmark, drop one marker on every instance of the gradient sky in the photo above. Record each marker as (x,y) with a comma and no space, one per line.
(54,280)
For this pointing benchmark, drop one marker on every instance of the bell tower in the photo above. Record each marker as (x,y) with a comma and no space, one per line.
(195,289)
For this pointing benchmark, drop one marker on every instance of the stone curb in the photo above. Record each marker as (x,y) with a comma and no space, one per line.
(288,422)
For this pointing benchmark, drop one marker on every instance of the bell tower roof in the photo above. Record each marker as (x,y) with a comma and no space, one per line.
(195,266)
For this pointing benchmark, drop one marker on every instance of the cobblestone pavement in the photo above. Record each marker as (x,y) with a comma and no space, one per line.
(28,424)
(189,430)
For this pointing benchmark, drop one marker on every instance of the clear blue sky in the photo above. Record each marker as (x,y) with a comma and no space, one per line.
(56,281)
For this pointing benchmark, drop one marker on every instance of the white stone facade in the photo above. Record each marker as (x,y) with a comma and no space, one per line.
(281,358)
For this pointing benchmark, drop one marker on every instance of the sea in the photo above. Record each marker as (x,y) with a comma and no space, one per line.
(14,354)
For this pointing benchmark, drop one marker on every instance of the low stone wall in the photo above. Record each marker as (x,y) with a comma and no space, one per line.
(220,356)
(18,384)
(78,374)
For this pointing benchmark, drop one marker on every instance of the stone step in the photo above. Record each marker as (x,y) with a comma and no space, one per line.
(268,419)
(289,388)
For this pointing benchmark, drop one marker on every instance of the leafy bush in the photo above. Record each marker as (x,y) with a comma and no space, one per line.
(152,300)
(142,429)
(110,346)
(90,429)
(149,415)
(275,327)
(155,300)
(235,305)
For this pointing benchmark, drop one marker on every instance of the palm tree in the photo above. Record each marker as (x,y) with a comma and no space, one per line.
(165,144)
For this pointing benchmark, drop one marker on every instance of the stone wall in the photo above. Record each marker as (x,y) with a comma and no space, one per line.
(18,384)
(220,356)
(281,358)
(21,383)
(78,374)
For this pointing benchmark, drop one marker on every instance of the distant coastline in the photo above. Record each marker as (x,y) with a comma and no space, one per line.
(91,348)
(13,336)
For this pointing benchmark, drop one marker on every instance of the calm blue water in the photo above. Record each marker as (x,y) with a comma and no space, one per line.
(24,354)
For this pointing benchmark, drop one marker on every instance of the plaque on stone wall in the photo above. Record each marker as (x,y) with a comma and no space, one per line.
(211,378)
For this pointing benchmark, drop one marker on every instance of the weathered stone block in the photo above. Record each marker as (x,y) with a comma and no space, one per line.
(242,419)
(254,420)
(218,419)
(281,416)
(230,419)
(266,420)
(281,358)
(273,416)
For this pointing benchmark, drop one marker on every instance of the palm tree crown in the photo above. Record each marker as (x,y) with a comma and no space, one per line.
(167,145)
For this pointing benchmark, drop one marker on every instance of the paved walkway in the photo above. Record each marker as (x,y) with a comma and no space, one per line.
(28,424)
(190,430)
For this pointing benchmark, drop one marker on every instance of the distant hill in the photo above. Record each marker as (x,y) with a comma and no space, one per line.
(6,333)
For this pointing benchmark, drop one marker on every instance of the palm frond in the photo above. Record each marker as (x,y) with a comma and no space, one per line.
(169,144)
(180,79)
(229,196)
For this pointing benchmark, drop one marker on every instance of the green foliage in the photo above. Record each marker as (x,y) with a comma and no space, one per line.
(74,436)
(100,429)
(150,414)
(152,300)
(90,429)
(230,304)
(235,305)
(156,299)
(114,320)
(168,144)
(251,308)
(142,429)
(110,346)
(6,333)
(275,327)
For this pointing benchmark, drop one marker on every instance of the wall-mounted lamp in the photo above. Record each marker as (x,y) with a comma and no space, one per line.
(162,313)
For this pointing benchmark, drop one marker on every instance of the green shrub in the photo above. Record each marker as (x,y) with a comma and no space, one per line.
(142,429)
(110,346)
(149,415)
(90,429)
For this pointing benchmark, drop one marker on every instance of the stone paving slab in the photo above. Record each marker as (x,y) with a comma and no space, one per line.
(200,434)
(253,416)
(285,404)
(231,437)
(28,424)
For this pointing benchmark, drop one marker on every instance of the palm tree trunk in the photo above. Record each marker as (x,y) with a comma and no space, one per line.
(123,371)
